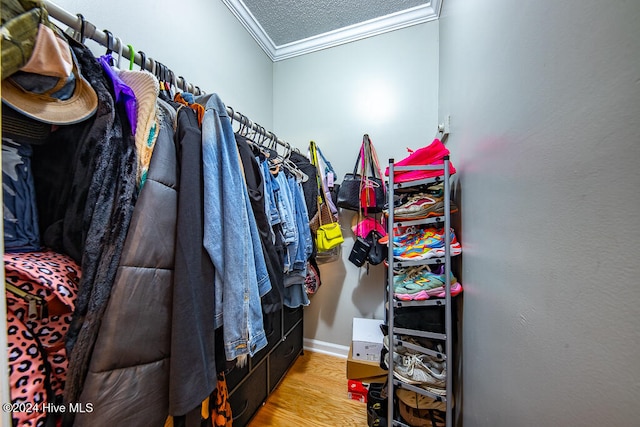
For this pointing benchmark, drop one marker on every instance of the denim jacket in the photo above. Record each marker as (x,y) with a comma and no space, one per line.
(231,236)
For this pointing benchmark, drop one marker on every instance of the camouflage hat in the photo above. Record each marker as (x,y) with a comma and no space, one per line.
(48,86)
(20,20)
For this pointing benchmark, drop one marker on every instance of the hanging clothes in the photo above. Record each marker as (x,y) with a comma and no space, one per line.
(128,374)
(145,88)
(85,191)
(123,95)
(309,187)
(21,232)
(272,300)
(300,251)
(193,350)
(231,237)
(286,203)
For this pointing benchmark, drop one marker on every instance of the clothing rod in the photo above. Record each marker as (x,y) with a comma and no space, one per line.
(91,32)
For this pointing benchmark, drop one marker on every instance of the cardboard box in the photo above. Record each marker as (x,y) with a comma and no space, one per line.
(365,371)
(367,339)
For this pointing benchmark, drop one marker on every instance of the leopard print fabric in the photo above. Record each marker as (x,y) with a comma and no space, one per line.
(221,415)
(37,357)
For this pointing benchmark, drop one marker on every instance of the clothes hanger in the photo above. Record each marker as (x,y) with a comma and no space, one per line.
(143,61)
(275,162)
(79,15)
(185,85)
(160,71)
(259,141)
(154,67)
(251,130)
(174,85)
(231,119)
(260,134)
(119,52)
(132,56)
(110,59)
(300,175)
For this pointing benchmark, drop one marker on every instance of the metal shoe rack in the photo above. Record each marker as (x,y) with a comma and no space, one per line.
(392,303)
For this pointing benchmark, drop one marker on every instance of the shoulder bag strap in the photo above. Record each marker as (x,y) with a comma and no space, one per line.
(314,161)
(375,165)
(360,156)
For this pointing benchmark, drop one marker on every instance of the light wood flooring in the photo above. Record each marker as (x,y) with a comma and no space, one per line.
(313,393)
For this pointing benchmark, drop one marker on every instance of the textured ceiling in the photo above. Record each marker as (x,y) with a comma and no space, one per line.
(288,28)
(287,21)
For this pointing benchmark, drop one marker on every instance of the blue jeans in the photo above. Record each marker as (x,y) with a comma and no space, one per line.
(295,295)
(305,245)
(231,237)
(270,205)
(286,209)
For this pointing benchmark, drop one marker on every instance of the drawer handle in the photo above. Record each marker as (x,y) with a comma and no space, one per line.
(246,406)
(293,348)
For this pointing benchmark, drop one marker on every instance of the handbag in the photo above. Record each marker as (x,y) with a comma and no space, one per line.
(323,216)
(361,189)
(377,251)
(324,213)
(328,236)
(327,230)
(312,281)
(366,225)
(368,249)
(359,252)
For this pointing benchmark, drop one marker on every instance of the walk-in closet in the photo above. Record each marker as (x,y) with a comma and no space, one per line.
(187,241)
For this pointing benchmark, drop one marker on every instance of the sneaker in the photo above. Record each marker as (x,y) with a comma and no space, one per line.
(418,284)
(414,367)
(421,342)
(422,417)
(401,235)
(428,243)
(377,399)
(376,420)
(419,369)
(456,289)
(420,401)
(420,206)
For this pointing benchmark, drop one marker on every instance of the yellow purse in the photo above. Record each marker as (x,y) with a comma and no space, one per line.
(328,236)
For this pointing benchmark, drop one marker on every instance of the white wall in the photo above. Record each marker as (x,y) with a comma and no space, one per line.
(544,101)
(385,86)
(200,40)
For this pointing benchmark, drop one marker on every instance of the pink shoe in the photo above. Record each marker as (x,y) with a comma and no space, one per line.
(456,288)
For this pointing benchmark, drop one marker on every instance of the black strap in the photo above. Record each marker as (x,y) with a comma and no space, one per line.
(355,167)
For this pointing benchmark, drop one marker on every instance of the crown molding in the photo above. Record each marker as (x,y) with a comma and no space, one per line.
(373,27)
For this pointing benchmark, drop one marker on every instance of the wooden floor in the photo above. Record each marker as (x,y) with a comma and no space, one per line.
(313,393)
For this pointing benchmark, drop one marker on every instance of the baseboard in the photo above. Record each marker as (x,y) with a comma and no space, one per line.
(326,348)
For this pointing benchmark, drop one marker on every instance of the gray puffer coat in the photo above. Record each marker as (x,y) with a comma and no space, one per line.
(128,379)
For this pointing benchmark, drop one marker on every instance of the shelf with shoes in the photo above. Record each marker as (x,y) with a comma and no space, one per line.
(420,280)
